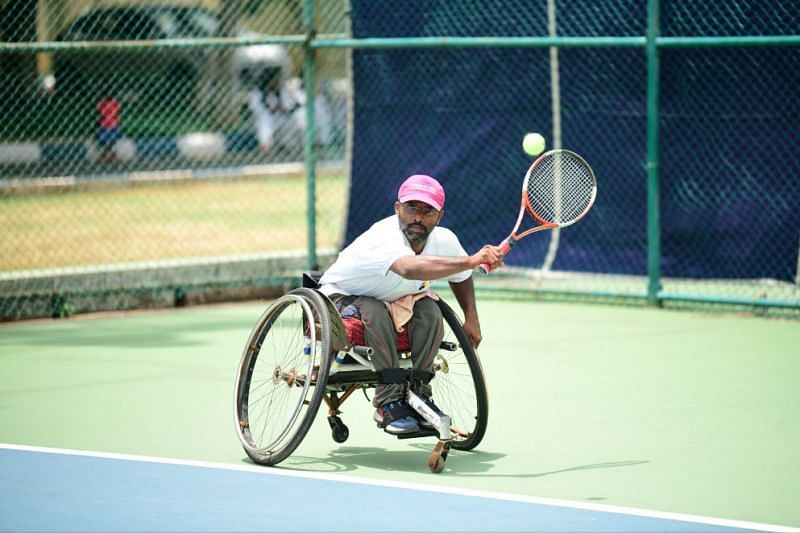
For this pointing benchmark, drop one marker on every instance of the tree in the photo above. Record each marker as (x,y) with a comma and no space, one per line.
(18,25)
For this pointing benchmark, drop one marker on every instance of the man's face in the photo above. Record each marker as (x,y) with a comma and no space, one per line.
(417,219)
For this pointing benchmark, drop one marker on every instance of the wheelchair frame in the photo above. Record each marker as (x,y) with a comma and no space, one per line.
(288,369)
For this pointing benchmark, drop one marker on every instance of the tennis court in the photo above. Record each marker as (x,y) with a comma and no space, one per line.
(601,418)
(641,364)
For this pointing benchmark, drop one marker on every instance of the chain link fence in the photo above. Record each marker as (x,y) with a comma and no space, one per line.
(158,153)
(153,153)
(727,230)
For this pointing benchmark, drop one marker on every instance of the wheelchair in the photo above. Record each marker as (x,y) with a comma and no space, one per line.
(300,354)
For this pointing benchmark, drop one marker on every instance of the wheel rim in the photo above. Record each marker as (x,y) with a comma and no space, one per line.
(272,391)
(459,389)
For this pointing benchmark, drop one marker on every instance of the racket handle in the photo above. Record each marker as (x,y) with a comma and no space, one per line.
(484,268)
(505,246)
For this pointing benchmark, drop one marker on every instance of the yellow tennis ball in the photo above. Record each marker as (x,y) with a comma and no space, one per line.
(533,143)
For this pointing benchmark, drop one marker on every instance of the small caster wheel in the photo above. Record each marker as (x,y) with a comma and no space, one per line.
(436,463)
(340,434)
(438,456)
(339,431)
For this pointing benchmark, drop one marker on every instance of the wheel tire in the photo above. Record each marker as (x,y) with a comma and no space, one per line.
(460,390)
(275,403)
(340,434)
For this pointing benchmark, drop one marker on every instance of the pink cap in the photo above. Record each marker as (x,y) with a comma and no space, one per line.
(424,189)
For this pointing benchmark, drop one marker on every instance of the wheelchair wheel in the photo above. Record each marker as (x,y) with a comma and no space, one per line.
(459,387)
(282,376)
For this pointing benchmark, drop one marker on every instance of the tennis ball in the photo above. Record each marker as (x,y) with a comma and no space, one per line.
(533,143)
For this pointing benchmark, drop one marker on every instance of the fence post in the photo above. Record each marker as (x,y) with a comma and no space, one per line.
(311,178)
(653,186)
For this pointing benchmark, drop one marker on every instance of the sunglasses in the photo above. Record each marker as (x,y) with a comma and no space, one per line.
(425,211)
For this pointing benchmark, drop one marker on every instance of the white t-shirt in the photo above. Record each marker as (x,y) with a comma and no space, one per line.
(362,268)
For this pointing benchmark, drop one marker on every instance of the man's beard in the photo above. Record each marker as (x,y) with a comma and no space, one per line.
(415,236)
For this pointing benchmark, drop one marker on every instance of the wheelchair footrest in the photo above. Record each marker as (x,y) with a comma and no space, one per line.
(423,432)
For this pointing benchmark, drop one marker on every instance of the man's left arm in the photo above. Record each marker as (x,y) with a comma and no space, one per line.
(464,292)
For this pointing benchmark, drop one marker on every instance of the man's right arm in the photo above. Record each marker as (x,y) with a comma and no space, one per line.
(428,267)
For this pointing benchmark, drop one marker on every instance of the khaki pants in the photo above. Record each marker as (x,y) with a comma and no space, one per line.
(425,331)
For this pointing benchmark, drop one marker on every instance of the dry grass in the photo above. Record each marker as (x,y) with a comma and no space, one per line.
(165,220)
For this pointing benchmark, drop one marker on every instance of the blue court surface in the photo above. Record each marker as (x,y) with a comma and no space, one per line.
(43,489)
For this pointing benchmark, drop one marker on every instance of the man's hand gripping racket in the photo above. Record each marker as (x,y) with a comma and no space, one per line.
(558,190)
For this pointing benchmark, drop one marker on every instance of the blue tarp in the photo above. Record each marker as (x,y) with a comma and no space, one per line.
(730,162)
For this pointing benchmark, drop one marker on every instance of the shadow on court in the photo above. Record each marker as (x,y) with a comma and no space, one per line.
(181,329)
(478,463)
(615,464)
(353,458)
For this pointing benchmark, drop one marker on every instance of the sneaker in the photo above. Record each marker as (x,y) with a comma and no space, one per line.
(400,425)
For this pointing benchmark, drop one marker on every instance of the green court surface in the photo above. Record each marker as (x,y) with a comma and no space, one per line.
(662,410)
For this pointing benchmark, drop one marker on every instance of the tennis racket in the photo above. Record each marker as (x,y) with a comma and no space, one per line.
(558,190)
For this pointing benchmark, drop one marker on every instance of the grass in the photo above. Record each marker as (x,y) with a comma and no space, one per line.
(166,220)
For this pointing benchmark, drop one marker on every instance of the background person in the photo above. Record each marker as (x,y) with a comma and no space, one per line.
(109,124)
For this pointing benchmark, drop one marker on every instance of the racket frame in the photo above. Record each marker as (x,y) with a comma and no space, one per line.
(525,206)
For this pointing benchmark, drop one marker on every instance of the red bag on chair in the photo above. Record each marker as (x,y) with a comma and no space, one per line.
(355,332)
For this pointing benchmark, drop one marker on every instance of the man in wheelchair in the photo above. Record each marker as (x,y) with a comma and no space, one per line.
(383,278)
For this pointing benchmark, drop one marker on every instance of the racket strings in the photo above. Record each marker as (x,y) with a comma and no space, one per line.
(560,189)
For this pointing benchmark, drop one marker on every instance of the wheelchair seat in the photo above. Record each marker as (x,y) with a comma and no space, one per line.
(354,327)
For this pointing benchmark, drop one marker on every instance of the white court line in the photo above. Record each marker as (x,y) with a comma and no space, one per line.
(631,511)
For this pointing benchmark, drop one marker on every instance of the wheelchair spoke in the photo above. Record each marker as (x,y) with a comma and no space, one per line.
(275,400)
(458,386)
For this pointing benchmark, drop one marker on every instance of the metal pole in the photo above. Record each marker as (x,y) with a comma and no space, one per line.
(653,187)
(311,178)
(555,104)
(478,42)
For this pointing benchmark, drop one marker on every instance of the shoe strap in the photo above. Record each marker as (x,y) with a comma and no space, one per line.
(395,411)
